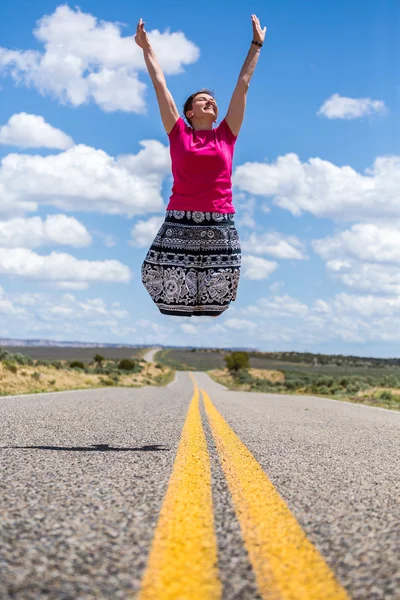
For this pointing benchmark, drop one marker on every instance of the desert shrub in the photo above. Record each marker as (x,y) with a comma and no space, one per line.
(236,361)
(36,375)
(43,363)
(387,396)
(391,381)
(52,381)
(115,377)
(76,364)
(294,384)
(21,359)
(352,388)
(106,381)
(243,376)
(335,389)
(324,390)
(158,366)
(3,354)
(11,367)
(98,358)
(57,364)
(127,364)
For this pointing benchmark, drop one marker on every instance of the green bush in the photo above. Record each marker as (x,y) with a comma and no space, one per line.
(352,388)
(387,396)
(106,381)
(127,364)
(236,361)
(11,367)
(57,364)
(76,364)
(36,375)
(243,376)
(98,358)
(324,390)
(52,381)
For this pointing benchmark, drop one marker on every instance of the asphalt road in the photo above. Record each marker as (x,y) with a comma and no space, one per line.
(85,474)
(149,356)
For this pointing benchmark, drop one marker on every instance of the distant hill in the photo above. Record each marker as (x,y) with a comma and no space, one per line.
(69,344)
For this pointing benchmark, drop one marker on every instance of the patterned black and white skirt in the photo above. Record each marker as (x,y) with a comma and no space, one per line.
(193,265)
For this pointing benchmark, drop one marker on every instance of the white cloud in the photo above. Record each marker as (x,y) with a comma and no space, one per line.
(58,267)
(368,277)
(32,131)
(86,59)
(255,267)
(324,189)
(144,232)
(62,317)
(189,328)
(85,179)
(367,306)
(245,211)
(240,324)
(340,107)
(346,318)
(33,232)
(364,241)
(279,306)
(274,244)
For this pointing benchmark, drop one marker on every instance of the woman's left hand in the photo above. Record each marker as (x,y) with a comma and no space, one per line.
(258,33)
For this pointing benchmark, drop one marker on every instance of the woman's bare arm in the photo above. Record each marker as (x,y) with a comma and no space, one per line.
(169,112)
(234,116)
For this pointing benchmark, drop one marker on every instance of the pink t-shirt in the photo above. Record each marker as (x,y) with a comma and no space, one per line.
(202,168)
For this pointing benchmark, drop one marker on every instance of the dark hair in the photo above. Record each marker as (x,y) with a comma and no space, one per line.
(189,102)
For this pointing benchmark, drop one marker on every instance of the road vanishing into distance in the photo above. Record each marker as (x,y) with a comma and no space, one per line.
(191,491)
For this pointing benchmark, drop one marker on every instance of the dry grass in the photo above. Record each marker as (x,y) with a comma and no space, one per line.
(223,377)
(50,379)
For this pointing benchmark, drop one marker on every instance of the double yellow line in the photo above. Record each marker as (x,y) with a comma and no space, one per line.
(183,560)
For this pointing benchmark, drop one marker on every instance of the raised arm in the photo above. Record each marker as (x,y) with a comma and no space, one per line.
(169,112)
(234,116)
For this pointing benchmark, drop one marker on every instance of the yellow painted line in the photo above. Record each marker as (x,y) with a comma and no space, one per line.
(286,564)
(183,557)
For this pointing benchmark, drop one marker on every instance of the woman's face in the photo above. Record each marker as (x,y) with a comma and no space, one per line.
(202,105)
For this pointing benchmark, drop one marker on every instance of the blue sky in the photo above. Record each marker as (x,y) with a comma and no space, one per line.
(84,179)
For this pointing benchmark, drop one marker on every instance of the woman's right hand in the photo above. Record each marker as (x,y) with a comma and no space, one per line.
(141,36)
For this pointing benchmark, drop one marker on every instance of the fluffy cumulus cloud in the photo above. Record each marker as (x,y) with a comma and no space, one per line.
(365,257)
(274,244)
(364,241)
(324,189)
(32,131)
(85,179)
(62,317)
(144,232)
(255,267)
(279,306)
(85,59)
(340,107)
(35,232)
(60,269)
(368,277)
(284,320)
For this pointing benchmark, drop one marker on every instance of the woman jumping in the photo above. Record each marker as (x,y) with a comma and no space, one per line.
(193,265)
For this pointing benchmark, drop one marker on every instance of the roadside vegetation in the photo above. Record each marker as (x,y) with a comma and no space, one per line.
(21,374)
(375,382)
